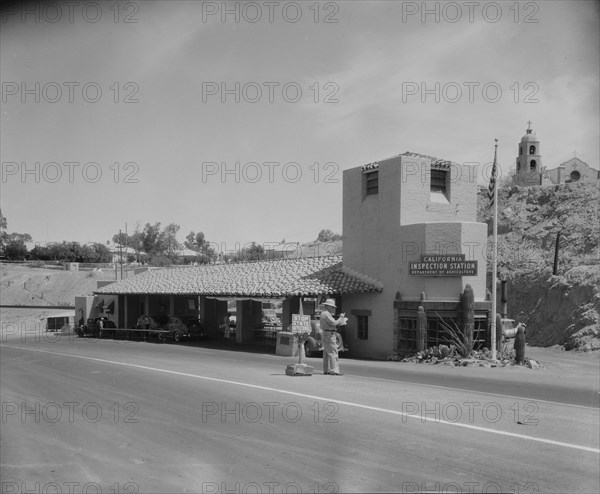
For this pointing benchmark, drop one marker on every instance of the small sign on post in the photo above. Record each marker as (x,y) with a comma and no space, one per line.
(300,324)
(300,329)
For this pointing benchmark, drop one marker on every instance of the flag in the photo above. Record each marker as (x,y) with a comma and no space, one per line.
(492,186)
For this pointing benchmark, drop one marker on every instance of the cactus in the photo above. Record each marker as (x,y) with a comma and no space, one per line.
(444,351)
(468,316)
(499,333)
(520,345)
(421,329)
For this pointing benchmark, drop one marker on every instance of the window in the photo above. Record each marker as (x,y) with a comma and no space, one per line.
(372,182)
(520,150)
(575,175)
(408,333)
(532,165)
(437,329)
(362,323)
(531,149)
(439,186)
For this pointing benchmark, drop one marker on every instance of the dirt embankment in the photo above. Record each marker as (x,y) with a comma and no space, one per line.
(22,284)
(28,285)
(559,310)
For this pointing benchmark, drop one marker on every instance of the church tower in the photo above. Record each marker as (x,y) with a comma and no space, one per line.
(529,161)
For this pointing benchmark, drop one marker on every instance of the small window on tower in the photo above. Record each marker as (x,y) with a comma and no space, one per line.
(532,165)
(372,182)
(531,149)
(439,186)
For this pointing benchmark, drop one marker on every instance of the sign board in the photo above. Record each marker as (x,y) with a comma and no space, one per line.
(443,265)
(300,324)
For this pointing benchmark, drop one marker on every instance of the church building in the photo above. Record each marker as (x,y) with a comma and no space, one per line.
(529,160)
(573,170)
(529,170)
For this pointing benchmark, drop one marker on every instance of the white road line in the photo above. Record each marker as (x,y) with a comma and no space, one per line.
(322,398)
(478,392)
(449,388)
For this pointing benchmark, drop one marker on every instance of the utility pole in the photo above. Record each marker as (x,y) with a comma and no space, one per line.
(121,252)
(556,249)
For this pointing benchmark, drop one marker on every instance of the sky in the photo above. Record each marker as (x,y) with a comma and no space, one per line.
(238,119)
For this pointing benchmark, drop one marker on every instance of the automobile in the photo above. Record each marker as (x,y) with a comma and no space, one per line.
(163,326)
(510,328)
(93,327)
(314,342)
(197,330)
(270,321)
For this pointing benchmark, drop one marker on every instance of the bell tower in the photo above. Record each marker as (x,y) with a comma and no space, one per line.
(529,161)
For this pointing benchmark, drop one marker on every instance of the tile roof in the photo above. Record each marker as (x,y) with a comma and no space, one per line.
(270,279)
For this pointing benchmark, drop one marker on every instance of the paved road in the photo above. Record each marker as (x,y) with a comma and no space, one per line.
(107,416)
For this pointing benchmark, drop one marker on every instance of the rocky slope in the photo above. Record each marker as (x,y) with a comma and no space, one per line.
(562,309)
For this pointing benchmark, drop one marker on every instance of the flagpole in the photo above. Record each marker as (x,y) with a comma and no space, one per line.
(495,250)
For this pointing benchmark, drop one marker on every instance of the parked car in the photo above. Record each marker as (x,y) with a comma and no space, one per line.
(95,327)
(163,327)
(197,330)
(314,342)
(510,328)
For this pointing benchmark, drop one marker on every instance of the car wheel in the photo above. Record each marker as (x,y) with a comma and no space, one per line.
(178,336)
(308,350)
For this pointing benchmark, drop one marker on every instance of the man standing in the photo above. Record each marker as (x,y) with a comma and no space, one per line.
(328,328)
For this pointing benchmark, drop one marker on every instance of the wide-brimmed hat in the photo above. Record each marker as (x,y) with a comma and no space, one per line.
(330,302)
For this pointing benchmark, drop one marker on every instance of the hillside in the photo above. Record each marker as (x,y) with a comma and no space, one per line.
(562,309)
(28,285)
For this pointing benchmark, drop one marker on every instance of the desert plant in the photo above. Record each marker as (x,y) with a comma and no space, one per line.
(421,329)
(468,301)
(464,345)
(444,351)
(520,345)
(499,333)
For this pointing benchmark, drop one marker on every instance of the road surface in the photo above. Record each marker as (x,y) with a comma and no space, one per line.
(82,415)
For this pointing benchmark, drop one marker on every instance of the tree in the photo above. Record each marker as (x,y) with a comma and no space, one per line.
(15,247)
(167,241)
(3,235)
(190,241)
(150,236)
(328,236)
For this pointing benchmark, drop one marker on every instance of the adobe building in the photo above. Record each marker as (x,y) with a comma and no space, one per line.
(529,160)
(410,240)
(573,170)
(410,222)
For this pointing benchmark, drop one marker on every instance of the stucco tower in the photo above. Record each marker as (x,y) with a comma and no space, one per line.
(529,160)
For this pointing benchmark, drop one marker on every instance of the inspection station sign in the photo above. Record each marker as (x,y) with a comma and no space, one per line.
(443,265)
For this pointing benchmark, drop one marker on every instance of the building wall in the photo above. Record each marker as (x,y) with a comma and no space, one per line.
(563,173)
(386,231)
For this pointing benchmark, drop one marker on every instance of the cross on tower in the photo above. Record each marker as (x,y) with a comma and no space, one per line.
(529,125)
